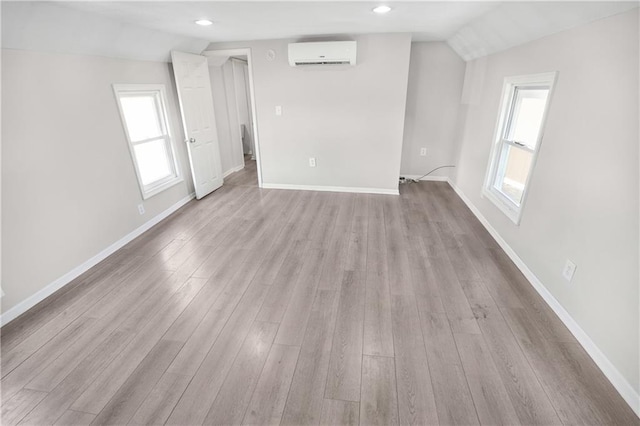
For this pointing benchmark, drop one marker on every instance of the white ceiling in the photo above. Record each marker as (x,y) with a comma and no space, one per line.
(148,30)
(47,27)
(238,20)
(512,24)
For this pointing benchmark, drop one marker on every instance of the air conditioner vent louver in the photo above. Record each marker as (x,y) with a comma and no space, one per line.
(322,53)
(323,63)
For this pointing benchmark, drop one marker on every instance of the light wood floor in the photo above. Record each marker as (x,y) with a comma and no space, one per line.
(246,177)
(267,306)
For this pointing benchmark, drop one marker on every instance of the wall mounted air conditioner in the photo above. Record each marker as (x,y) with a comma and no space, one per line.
(322,53)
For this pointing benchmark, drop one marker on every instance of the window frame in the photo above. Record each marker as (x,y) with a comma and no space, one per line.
(157,90)
(505,115)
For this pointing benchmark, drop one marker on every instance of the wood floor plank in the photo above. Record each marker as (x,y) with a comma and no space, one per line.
(481,302)
(304,403)
(453,299)
(333,269)
(209,328)
(193,406)
(217,232)
(426,290)
(531,403)
(343,380)
(571,389)
(375,233)
(416,402)
(270,395)
(217,259)
(139,384)
(378,334)
(157,407)
(320,235)
(11,358)
(275,256)
(500,289)
(294,322)
(75,418)
(128,315)
(26,324)
(453,397)
(545,319)
(400,281)
(235,393)
(97,395)
(133,287)
(603,396)
(490,397)
(338,412)
(188,320)
(244,196)
(358,242)
(32,366)
(283,284)
(19,405)
(379,403)
(286,208)
(63,395)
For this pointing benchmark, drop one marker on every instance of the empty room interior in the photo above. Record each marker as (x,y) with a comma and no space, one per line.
(320,213)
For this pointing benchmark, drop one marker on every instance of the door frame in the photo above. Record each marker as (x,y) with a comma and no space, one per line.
(256,135)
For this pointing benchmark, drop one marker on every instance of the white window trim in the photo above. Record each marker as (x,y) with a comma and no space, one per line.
(157,187)
(508,207)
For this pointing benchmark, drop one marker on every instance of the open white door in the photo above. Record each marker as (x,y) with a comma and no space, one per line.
(196,105)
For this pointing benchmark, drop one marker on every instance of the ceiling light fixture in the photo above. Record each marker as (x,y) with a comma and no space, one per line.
(204,22)
(381,9)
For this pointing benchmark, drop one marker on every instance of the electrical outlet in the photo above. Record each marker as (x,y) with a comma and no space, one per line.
(312,162)
(569,270)
(278,110)
(423,152)
(140,208)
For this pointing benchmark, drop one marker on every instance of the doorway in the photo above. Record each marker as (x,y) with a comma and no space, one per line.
(231,77)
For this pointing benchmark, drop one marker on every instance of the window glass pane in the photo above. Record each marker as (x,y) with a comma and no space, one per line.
(141,115)
(513,169)
(153,161)
(526,118)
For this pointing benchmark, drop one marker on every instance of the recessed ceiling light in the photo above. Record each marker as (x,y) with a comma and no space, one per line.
(204,22)
(382,9)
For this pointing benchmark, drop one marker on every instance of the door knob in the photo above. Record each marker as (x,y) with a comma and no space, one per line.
(192,140)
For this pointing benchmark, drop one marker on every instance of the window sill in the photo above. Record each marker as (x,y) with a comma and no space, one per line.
(155,190)
(507,208)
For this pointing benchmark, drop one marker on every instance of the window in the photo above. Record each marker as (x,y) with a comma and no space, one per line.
(144,116)
(525,101)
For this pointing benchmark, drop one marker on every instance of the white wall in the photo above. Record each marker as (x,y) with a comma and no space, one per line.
(224,84)
(227,140)
(69,188)
(241,88)
(584,194)
(350,119)
(436,76)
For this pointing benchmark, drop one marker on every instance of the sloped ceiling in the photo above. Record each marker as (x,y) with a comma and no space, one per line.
(48,27)
(512,24)
(150,30)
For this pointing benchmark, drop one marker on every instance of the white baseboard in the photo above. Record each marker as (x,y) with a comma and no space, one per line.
(233,170)
(51,288)
(331,189)
(618,381)
(428,178)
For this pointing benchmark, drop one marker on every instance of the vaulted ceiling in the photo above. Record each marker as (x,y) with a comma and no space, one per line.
(149,30)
